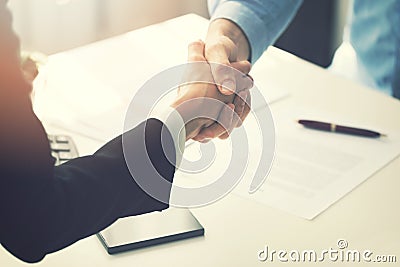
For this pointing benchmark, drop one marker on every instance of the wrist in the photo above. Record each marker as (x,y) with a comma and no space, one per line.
(192,126)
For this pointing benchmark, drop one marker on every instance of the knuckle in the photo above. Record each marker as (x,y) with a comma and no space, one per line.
(196,57)
(215,47)
(195,43)
(223,72)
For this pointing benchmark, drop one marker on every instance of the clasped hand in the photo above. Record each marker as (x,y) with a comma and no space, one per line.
(202,106)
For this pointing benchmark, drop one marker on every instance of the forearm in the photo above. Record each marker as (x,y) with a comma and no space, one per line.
(85,195)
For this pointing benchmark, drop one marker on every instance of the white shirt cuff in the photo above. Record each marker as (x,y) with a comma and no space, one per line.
(175,125)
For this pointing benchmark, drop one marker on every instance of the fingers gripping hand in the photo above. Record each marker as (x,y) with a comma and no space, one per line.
(220,52)
(206,88)
(241,105)
(199,101)
(241,102)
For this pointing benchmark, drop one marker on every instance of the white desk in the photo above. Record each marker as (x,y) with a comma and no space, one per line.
(236,228)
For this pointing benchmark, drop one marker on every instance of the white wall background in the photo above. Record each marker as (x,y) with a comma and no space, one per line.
(50,26)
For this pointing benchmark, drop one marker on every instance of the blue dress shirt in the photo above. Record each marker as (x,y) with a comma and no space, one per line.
(375,36)
(261,20)
(375,33)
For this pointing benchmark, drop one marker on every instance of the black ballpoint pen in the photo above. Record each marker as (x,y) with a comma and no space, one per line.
(330,127)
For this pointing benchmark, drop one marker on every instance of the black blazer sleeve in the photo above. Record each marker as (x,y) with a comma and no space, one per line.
(45,208)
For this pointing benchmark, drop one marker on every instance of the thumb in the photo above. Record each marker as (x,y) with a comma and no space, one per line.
(196,51)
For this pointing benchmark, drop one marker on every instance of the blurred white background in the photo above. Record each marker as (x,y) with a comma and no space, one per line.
(51,26)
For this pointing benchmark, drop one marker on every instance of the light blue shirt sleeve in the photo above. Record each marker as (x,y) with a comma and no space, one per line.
(262,21)
(375,36)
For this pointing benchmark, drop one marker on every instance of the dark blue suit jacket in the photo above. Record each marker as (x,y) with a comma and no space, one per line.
(45,208)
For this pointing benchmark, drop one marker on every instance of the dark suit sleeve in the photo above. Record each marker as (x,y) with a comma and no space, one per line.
(45,208)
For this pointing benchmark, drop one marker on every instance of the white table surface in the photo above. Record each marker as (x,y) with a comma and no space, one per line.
(237,228)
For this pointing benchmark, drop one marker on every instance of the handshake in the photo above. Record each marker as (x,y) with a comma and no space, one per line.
(213,98)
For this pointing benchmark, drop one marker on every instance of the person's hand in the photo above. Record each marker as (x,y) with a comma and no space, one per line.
(226,44)
(194,101)
(241,106)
